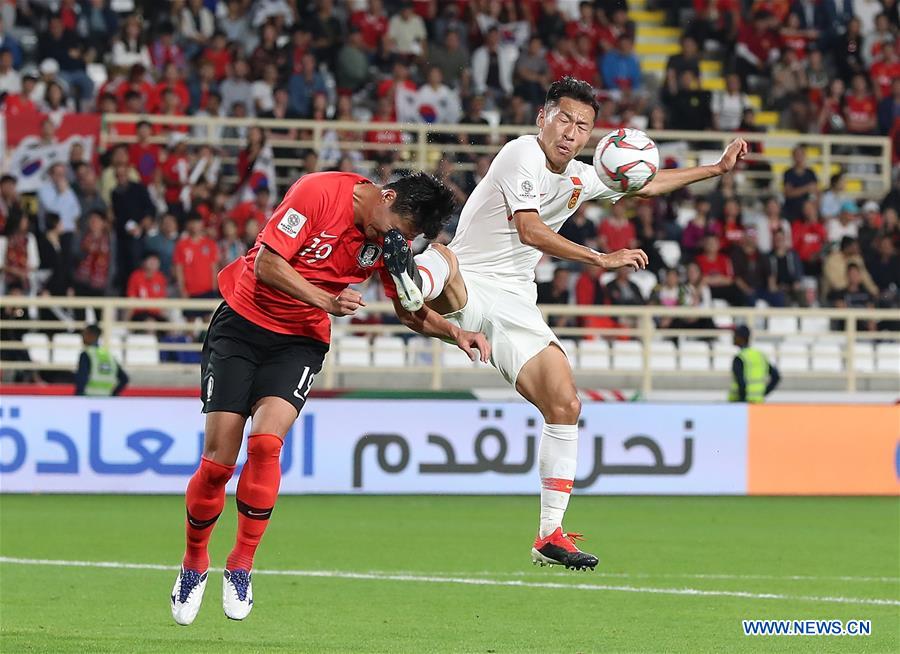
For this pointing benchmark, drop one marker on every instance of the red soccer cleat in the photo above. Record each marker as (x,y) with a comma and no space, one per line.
(559,549)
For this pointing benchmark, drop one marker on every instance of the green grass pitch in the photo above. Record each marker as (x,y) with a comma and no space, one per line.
(751,557)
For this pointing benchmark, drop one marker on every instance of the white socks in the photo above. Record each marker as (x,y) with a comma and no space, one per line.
(435,271)
(556,464)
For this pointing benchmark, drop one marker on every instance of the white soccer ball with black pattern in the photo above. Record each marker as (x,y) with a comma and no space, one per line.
(626,159)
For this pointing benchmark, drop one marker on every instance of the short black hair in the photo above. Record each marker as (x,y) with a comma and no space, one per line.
(569,87)
(426,200)
(93,330)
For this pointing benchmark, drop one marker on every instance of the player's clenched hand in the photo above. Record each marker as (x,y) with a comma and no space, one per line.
(634,259)
(346,303)
(468,342)
(733,153)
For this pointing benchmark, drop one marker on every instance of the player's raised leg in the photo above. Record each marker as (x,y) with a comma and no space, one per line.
(256,494)
(546,381)
(204,501)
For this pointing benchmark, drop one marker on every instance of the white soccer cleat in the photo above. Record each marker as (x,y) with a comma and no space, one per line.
(187,595)
(398,260)
(237,593)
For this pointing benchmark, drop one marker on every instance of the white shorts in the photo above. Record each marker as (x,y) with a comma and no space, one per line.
(510,320)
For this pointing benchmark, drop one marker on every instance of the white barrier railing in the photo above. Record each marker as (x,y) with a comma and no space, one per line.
(846,355)
(865,159)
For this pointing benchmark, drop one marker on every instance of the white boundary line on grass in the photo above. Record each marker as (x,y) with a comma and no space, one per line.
(688,575)
(387,576)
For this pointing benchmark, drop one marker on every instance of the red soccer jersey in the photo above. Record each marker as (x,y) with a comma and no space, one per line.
(144,159)
(858,111)
(313,229)
(883,74)
(809,239)
(617,237)
(243,212)
(197,258)
(139,285)
(720,265)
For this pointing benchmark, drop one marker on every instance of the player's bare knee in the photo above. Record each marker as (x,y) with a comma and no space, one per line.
(564,410)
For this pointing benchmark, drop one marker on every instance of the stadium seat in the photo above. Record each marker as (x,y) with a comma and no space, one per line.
(793,356)
(570,345)
(887,357)
(669,252)
(646,281)
(116,346)
(722,322)
(141,349)
(66,348)
(453,357)
(864,356)
(594,354)
(419,351)
(768,348)
(810,325)
(782,325)
(38,347)
(353,351)
(723,355)
(694,355)
(626,355)
(827,357)
(389,351)
(663,355)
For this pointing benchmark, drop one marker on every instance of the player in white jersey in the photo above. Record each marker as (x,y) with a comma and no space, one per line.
(484,281)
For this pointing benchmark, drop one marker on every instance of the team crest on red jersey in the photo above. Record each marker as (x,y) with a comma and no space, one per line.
(576,192)
(368,255)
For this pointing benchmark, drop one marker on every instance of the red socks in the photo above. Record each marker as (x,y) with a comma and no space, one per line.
(256,493)
(204,500)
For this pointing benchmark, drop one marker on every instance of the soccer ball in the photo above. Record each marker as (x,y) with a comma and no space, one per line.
(626,159)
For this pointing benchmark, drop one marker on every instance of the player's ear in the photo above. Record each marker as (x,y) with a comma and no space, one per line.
(540,118)
(388,196)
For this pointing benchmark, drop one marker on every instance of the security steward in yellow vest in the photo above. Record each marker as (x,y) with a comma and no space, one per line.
(98,373)
(753,376)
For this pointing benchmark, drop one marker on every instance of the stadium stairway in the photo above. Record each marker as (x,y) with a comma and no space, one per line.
(655,42)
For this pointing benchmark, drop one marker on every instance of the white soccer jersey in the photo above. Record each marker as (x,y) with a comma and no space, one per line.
(486,240)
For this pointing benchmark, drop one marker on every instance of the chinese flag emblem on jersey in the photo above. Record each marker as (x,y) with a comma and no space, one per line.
(576,192)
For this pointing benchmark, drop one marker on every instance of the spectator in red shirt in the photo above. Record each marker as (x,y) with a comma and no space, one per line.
(860,107)
(757,46)
(143,155)
(256,209)
(172,81)
(147,282)
(560,59)
(885,71)
(717,270)
(384,113)
(218,55)
(616,231)
(810,236)
(732,225)
(585,66)
(586,25)
(195,263)
(175,171)
(372,24)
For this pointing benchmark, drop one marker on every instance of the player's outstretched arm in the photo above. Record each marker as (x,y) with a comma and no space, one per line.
(672,179)
(432,324)
(271,269)
(534,232)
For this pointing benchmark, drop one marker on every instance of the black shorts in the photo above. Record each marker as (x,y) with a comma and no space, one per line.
(243,362)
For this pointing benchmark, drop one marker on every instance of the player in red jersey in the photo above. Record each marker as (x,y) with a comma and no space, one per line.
(267,341)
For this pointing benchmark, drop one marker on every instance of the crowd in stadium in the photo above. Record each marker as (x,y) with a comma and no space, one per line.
(158,220)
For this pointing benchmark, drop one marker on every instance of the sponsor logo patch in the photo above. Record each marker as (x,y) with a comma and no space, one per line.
(292,222)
